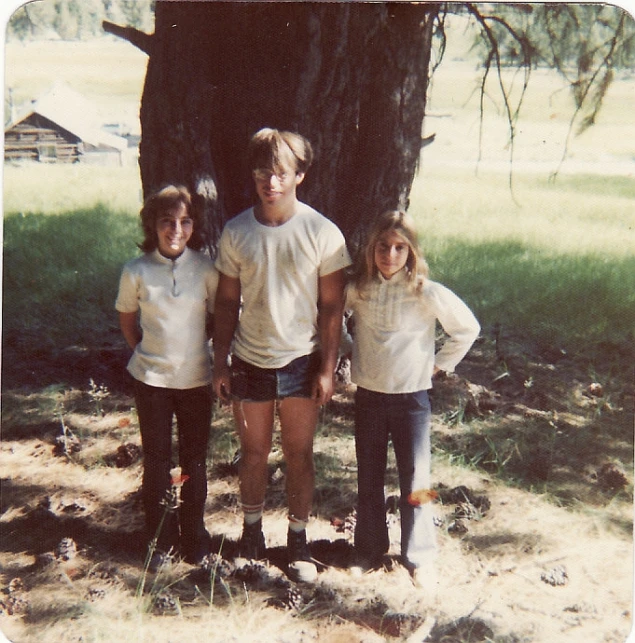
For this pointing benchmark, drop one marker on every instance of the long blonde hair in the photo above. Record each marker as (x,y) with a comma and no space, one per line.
(416,266)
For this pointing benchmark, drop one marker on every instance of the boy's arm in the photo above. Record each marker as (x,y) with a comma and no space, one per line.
(330,312)
(226,310)
(130,328)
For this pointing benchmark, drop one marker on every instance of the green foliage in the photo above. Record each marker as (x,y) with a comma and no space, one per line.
(567,37)
(585,43)
(76,19)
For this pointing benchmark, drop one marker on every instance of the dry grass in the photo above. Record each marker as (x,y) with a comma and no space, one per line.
(493,578)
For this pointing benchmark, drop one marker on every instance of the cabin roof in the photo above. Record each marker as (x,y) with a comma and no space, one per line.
(74,113)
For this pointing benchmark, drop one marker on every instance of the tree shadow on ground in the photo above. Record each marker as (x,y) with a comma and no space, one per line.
(39,529)
(543,423)
(73,366)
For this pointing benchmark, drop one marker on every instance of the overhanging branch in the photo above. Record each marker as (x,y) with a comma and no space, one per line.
(494,58)
(139,39)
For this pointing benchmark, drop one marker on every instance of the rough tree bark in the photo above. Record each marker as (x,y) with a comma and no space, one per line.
(351,77)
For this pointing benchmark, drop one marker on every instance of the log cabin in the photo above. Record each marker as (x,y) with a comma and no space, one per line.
(61,127)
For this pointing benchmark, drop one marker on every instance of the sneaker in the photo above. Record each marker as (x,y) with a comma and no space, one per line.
(302,569)
(252,542)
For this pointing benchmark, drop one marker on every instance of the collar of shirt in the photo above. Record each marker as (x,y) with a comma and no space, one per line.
(181,259)
(397,278)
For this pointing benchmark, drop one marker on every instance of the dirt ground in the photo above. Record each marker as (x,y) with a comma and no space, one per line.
(534,503)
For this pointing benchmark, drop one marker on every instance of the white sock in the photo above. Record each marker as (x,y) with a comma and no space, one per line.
(297,524)
(252,513)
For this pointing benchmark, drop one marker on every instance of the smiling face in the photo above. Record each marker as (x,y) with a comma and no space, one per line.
(174,228)
(279,161)
(279,186)
(391,253)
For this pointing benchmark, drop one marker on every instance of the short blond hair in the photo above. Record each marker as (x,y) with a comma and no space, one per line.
(272,149)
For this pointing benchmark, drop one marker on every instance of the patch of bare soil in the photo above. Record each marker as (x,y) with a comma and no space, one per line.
(533,457)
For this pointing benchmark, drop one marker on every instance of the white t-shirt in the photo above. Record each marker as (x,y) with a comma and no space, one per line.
(279,268)
(173,298)
(394,334)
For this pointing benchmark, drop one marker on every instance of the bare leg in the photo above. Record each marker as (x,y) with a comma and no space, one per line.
(298,419)
(254,423)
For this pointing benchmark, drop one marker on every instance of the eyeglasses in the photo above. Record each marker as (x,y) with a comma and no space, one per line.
(262,174)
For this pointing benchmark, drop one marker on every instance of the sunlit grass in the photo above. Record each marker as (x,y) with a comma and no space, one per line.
(55,189)
(33,67)
(554,262)
(575,215)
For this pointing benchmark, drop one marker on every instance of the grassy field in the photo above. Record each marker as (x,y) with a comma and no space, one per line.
(557,267)
(109,71)
(538,420)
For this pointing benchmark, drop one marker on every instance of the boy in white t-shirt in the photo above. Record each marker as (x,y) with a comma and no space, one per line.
(279,311)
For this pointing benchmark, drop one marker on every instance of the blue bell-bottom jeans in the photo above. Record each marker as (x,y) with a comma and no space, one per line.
(405,419)
(156,408)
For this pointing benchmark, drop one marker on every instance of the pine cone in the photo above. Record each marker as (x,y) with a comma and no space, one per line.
(467,511)
(166,603)
(127,454)
(66,445)
(611,477)
(66,550)
(438,521)
(13,600)
(350,522)
(556,577)
(292,600)
(457,527)
(218,566)
(95,594)
(251,572)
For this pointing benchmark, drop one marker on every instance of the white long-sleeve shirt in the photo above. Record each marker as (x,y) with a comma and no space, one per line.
(394,334)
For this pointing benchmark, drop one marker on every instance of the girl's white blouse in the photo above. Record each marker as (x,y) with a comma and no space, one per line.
(173,298)
(395,330)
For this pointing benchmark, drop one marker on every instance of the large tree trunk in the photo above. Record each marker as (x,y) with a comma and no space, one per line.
(351,77)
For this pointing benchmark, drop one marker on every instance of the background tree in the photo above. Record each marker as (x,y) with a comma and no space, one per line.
(353,77)
(584,43)
(350,77)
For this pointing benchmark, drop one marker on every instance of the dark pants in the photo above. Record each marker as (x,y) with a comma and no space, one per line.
(404,418)
(156,408)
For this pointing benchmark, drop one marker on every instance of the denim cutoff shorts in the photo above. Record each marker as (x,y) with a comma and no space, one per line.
(251,383)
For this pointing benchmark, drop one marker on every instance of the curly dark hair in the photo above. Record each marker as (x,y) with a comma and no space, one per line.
(158,202)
